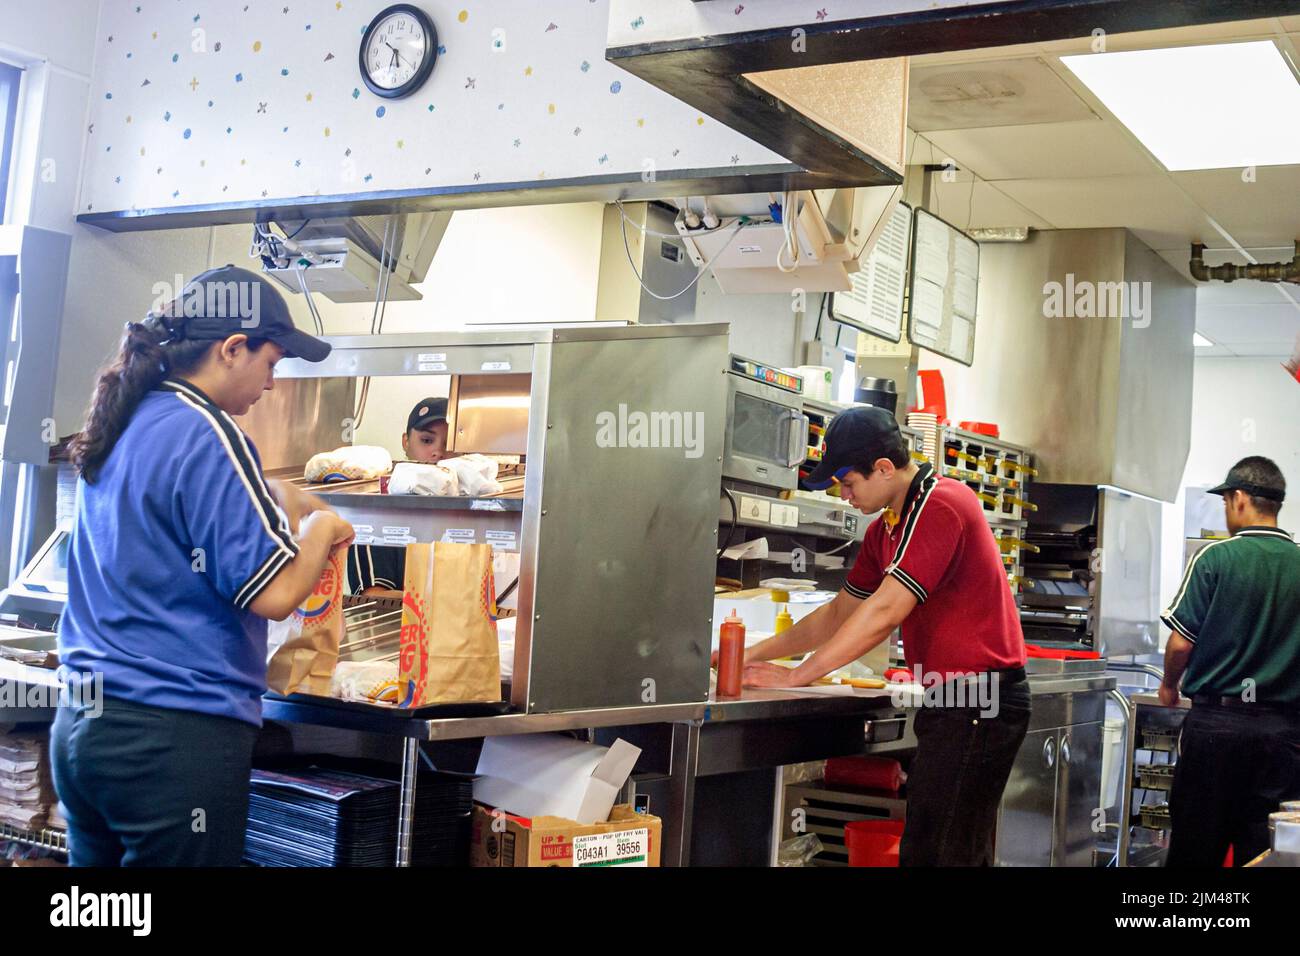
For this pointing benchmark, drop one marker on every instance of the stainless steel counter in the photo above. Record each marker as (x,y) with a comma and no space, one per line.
(729,750)
(751,705)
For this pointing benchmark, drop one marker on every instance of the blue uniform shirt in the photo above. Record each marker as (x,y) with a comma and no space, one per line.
(175,538)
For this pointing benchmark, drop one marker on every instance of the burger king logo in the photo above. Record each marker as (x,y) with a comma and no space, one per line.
(323,597)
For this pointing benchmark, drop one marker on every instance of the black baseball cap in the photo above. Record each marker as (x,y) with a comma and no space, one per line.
(1235,482)
(855,436)
(426,412)
(227,301)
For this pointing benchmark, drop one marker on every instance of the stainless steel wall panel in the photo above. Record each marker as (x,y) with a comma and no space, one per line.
(627,536)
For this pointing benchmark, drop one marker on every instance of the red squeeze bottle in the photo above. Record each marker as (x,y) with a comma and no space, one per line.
(731,655)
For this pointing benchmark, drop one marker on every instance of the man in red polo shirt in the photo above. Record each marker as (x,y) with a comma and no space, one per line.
(931,565)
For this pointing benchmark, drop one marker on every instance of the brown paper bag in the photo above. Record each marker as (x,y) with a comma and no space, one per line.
(303,649)
(449,635)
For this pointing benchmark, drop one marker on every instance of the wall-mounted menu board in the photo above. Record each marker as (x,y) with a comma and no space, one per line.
(875,303)
(944,288)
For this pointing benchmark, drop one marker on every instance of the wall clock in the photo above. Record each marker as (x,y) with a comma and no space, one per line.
(398,51)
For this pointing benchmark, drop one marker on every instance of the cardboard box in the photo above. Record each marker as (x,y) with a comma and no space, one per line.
(628,838)
(551,775)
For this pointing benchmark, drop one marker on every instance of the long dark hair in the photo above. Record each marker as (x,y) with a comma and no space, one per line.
(149,354)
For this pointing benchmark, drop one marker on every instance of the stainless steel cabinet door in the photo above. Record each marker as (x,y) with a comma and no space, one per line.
(1078,793)
(1027,817)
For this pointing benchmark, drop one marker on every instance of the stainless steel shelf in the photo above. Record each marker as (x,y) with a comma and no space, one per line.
(46,838)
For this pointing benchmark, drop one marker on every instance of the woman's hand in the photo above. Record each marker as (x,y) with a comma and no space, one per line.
(339,531)
(295,502)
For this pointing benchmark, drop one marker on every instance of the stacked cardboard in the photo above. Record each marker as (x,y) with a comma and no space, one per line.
(27,797)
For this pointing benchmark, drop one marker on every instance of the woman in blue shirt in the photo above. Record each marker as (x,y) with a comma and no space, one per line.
(180,553)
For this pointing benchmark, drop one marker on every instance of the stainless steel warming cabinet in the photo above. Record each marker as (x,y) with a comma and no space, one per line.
(612,509)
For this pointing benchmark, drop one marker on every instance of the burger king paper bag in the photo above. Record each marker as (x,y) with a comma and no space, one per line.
(449,634)
(304,648)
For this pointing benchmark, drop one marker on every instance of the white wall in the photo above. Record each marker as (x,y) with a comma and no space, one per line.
(520,264)
(1240,407)
(215,101)
(54,41)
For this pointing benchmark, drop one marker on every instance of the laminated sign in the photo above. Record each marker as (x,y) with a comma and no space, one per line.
(303,649)
(449,650)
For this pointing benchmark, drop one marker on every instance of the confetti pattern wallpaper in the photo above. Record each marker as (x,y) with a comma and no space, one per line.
(656,21)
(216,102)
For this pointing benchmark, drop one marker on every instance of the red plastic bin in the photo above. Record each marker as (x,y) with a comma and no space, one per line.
(873,842)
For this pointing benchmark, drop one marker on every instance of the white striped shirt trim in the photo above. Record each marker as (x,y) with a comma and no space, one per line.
(245,466)
(857,592)
(269,499)
(1182,590)
(928,484)
(261,578)
(910,583)
(1265,532)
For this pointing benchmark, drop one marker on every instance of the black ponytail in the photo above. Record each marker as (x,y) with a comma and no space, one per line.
(149,354)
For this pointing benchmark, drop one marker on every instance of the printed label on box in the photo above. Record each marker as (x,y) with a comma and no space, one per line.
(552,850)
(459,535)
(433,366)
(621,848)
(432,357)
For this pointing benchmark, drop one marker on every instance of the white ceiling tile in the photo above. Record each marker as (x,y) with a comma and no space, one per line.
(1210,295)
(968,205)
(1216,351)
(992,93)
(1263,212)
(1046,150)
(1281,352)
(1253,323)
(1152,205)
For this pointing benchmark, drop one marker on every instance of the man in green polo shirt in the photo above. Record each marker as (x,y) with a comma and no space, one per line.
(1236,648)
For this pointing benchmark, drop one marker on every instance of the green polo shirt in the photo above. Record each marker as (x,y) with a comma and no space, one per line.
(1239,603)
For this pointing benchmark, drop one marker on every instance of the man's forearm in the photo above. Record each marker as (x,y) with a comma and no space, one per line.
(1176,659)
(870,622)
(851,640)
(807,634)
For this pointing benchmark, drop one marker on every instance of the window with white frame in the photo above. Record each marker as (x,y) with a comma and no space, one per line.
(10,82)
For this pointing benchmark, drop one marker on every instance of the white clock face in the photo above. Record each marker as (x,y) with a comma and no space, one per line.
(396,49)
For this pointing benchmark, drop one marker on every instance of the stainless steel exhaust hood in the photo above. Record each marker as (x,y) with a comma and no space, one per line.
(1086,356)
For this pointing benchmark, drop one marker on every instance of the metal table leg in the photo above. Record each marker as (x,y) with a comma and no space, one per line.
(1126,781)
(406,800)
(681,794)
(778,816)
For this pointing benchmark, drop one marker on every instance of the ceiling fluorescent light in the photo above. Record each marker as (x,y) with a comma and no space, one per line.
(1230,105)
(1201,342)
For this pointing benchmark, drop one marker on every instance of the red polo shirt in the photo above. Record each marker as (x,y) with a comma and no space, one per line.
(944,552)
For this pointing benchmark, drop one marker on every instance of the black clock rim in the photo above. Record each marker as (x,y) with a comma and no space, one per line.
(422,74)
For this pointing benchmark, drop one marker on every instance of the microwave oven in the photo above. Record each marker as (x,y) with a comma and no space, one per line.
(766,438)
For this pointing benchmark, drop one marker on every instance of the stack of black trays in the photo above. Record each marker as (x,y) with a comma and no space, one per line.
(335,816)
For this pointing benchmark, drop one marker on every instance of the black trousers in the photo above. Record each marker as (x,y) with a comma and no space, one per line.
(956,779)
(144,786)
(1234,767)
